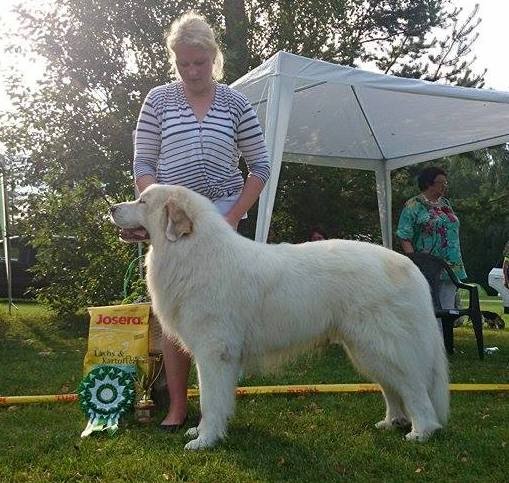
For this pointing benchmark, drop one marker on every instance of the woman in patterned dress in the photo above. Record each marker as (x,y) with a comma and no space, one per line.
(428,224)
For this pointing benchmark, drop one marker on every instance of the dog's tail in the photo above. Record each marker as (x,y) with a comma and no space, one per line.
(439,384)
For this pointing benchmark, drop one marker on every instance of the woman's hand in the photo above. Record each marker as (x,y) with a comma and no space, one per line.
(407,246)
(250,193)
(232,220)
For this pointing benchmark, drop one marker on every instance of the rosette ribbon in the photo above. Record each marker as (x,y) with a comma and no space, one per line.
(105,393)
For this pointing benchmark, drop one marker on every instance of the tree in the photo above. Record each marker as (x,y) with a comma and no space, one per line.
(341,31)
(343,202)
(84,259)
(235,38)
(417,54)
(480,182)
(71,136)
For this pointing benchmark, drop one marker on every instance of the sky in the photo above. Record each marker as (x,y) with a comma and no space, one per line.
(489,48)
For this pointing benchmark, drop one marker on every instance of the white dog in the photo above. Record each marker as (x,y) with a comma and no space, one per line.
(232,301)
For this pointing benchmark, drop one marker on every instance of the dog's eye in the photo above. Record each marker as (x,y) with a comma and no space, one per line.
(141,201)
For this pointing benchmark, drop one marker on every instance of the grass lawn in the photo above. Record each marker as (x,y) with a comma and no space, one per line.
(327,437)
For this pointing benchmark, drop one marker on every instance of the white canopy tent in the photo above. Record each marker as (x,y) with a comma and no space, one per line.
(325,114)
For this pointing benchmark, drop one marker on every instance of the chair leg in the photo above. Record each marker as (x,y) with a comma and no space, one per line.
(447,331)
(477,325)
(476,317)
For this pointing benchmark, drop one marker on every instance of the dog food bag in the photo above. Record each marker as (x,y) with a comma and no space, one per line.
(119,336)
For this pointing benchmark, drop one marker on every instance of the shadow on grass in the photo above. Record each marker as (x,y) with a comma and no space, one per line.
(269,457)
(37,356)
(74,325)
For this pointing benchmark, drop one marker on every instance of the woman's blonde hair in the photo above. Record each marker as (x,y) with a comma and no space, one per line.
(193,30)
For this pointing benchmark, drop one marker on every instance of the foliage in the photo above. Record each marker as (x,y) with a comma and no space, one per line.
(81,262)
(343,202)
(445,57)
(451,62)
(338,31)
(136,292)
(480,184)
(75,127)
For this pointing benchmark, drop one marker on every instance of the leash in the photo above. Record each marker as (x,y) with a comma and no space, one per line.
(129,274)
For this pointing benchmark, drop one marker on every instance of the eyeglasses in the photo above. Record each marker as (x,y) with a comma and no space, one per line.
(441,182)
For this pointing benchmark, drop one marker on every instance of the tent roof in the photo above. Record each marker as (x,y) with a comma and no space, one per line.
(343,116)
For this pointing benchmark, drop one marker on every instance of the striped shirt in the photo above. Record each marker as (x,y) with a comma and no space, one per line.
(173,147)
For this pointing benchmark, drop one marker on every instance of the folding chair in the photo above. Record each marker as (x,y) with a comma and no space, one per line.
(432,267)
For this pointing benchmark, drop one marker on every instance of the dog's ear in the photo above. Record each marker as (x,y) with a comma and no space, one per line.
(179,223)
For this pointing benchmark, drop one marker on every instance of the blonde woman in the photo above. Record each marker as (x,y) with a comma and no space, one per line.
(191,132)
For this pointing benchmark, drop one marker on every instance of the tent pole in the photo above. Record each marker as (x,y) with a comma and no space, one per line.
(279,106)
(384,195)
(4,218)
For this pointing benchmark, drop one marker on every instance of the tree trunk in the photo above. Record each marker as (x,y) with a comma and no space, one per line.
(237,56)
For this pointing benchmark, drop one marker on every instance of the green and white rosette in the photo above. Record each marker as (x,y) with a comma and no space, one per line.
(105,394)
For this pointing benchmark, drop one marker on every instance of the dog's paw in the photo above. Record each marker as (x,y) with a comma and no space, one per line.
(394,423)
(383,424)
(192,432)
(400,422)
(199,443)
(419,437)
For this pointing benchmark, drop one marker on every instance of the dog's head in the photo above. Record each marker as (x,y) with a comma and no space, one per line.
(160,211)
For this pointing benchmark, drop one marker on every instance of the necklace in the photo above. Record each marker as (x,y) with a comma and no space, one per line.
(432,203)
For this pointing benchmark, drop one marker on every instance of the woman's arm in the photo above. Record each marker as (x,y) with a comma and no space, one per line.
(505,269)
(147,143)
(406,228)
(252,145)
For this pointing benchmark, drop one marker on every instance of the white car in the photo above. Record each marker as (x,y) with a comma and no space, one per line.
(496,281)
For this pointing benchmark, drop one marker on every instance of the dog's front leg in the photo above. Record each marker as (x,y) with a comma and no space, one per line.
(217,377)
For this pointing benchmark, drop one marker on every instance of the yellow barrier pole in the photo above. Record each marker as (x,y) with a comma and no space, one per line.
(254,390)
(10,400)
(479,387)
(338,388)
(299,389)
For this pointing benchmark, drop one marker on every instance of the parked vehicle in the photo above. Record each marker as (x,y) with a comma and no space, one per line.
(22,259)
(496,281)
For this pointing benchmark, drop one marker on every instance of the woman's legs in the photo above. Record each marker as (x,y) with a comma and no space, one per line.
(447,294)
(176,365)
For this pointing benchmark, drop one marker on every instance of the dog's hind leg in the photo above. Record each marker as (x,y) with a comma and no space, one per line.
(403,390)
(420,409)
(394,412)
(217,376)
